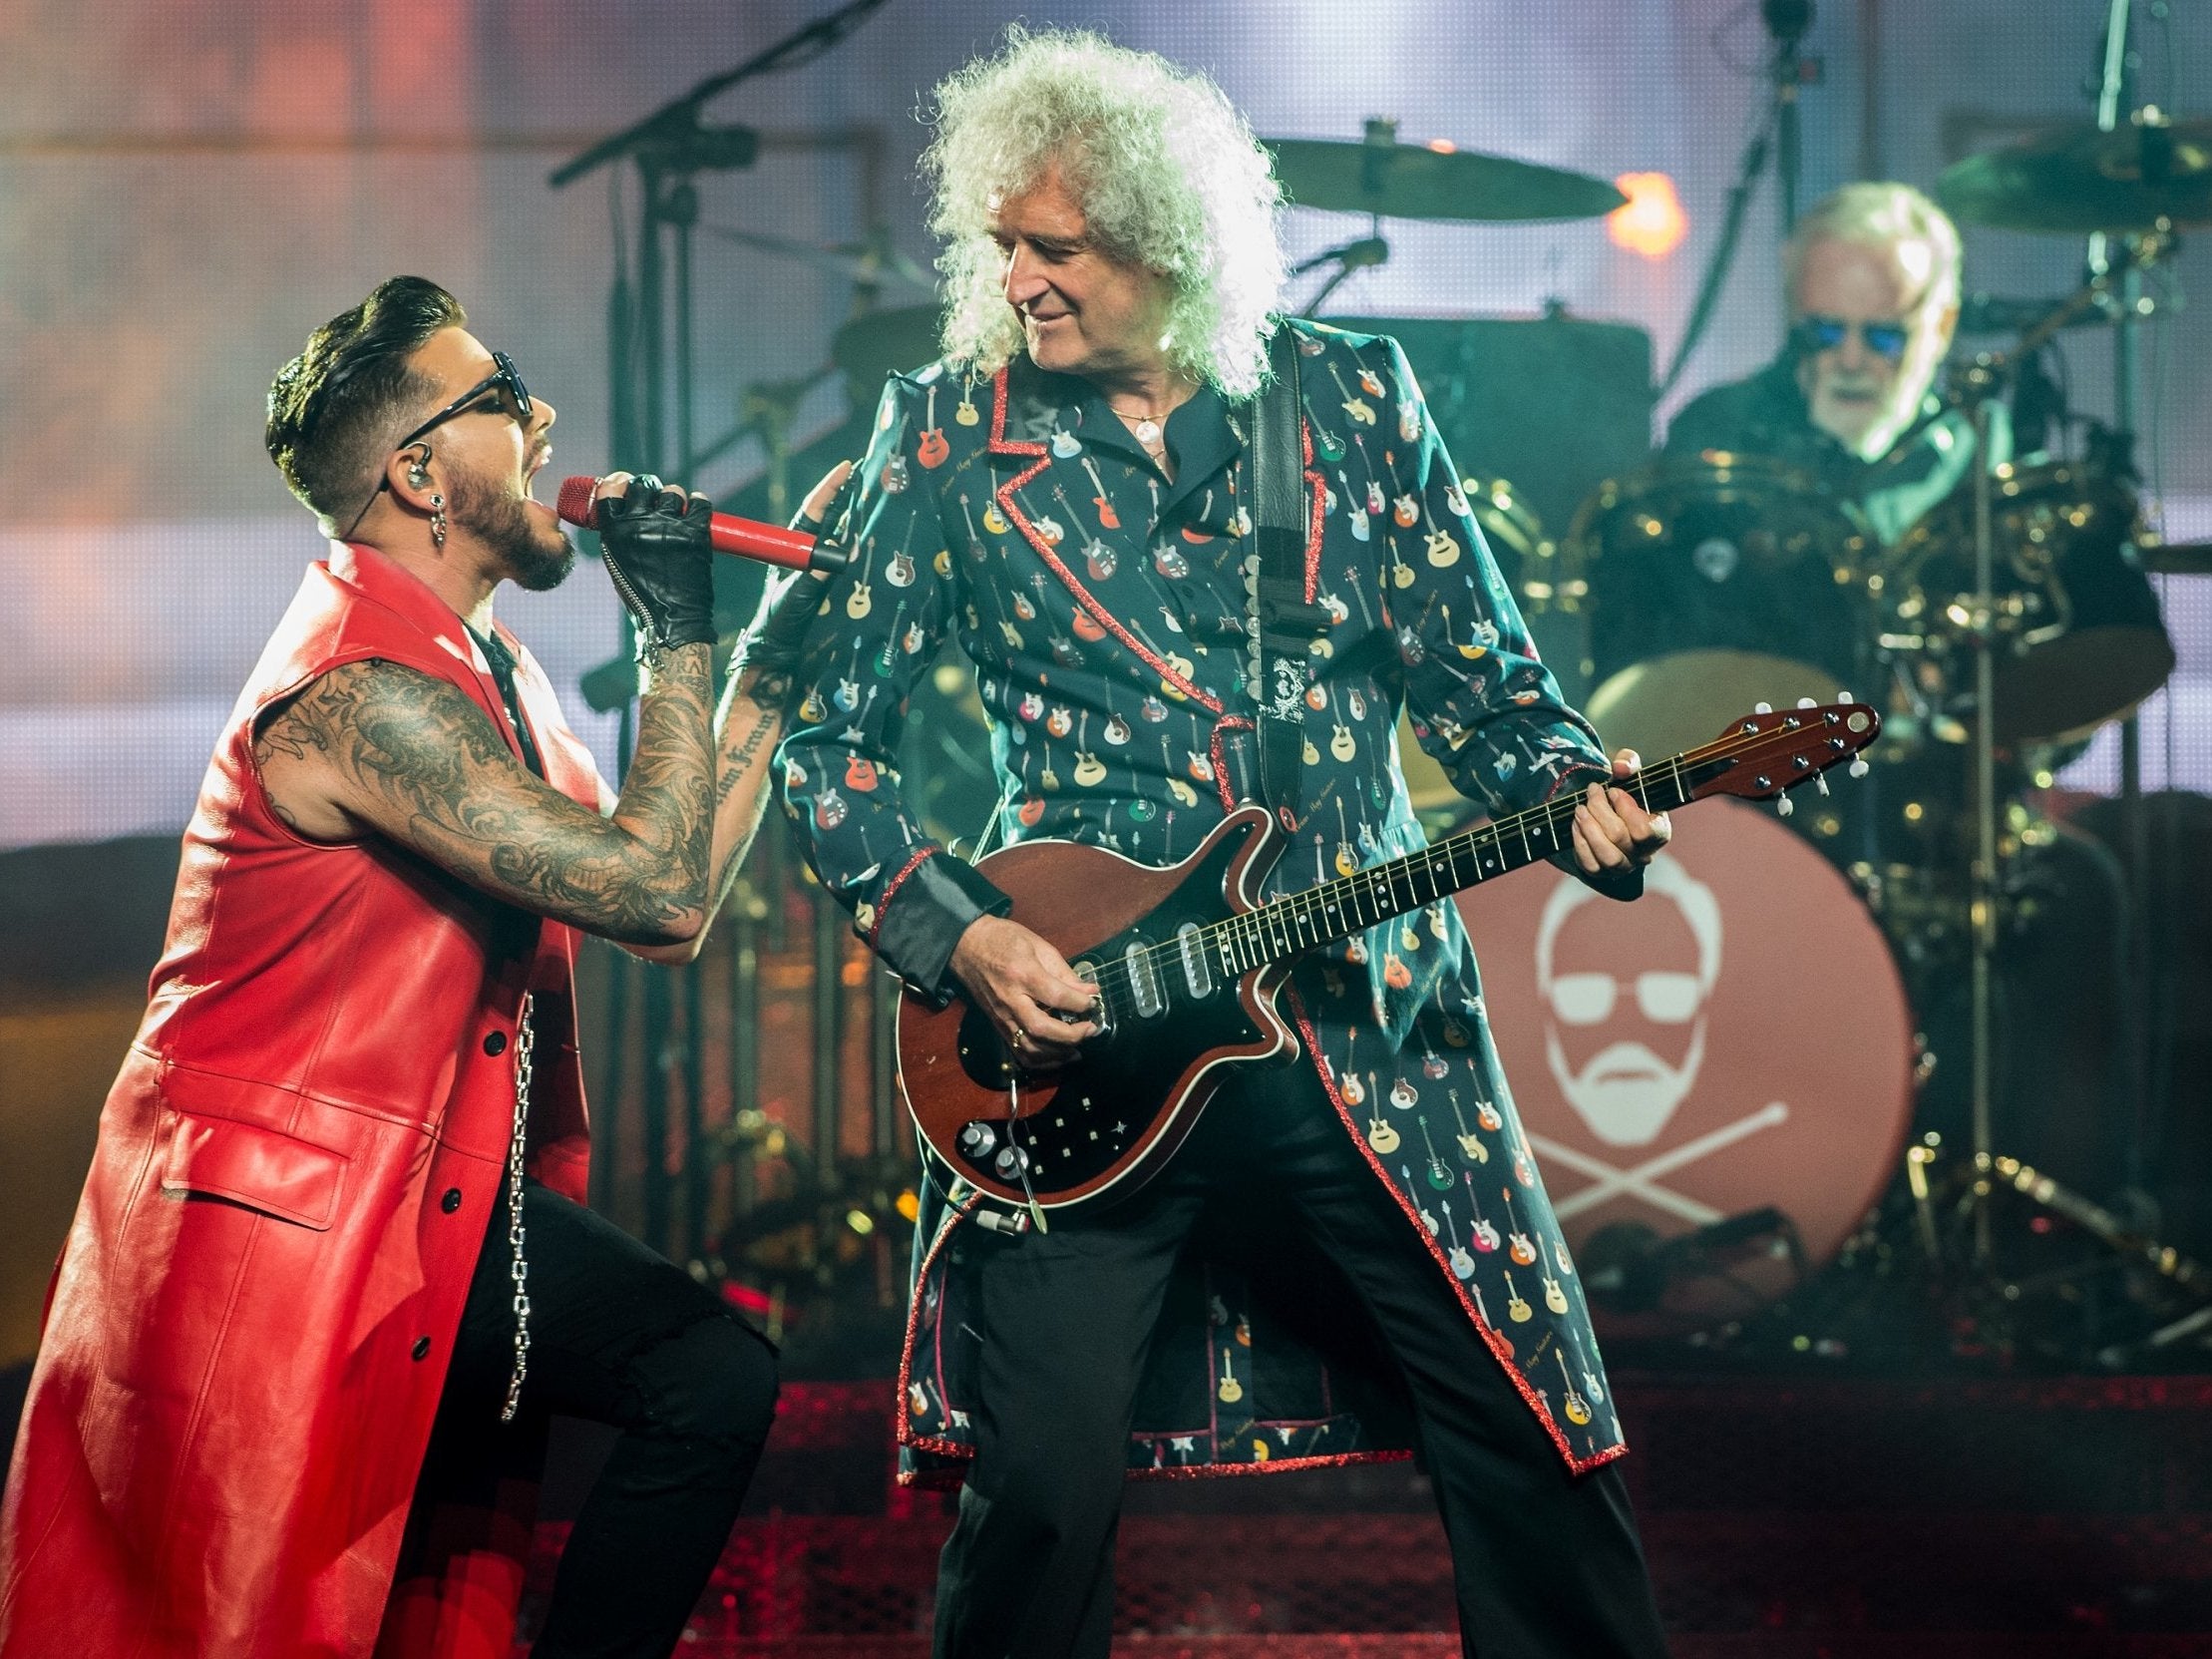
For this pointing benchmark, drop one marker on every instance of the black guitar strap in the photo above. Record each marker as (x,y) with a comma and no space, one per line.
(1285,626)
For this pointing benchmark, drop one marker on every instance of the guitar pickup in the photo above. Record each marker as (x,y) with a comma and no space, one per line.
(1198,973)
(1145,990)
(1087,972)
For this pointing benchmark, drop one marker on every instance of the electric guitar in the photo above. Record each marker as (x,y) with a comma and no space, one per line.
(1189,965)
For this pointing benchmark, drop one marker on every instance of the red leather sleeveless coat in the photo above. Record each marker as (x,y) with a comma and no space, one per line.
(251,1321)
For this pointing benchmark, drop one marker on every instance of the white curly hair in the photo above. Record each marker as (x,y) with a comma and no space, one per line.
(1167,173)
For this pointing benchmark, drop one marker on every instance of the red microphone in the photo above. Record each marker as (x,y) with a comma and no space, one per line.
(747,538)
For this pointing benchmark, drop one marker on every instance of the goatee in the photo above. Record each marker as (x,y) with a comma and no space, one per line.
(539,557)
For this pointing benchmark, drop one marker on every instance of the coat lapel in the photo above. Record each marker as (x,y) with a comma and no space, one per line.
(1024,415)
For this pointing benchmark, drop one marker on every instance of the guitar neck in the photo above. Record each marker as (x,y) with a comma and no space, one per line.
(1335,910)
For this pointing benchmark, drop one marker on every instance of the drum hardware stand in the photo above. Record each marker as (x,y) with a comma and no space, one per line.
(1980,383)
(1368,253)
(2137,993)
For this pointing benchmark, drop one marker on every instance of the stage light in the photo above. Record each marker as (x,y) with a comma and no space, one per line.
(1651,223)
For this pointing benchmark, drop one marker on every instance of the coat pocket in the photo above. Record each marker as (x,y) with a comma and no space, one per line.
(261,1168)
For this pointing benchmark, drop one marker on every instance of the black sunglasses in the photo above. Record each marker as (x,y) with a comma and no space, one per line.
(502,376)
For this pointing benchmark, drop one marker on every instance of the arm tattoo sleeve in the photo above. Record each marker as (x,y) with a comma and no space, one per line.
(419,762)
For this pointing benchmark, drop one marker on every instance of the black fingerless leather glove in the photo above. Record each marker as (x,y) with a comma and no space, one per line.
(773,641)
(661,560)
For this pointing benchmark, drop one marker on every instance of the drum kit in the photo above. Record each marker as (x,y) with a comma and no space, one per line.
(1689,589)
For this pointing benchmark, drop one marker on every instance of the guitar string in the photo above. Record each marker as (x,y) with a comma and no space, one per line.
(1247,933)
(1251,928)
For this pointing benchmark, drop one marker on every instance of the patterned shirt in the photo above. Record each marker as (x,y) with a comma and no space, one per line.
(1103,607)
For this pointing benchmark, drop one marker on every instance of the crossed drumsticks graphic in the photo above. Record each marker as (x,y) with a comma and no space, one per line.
(1642,1182)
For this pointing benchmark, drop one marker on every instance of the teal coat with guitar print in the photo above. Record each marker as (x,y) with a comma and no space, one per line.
(1105,610)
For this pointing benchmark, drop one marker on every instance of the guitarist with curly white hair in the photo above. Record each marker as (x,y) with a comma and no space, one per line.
(1075,490)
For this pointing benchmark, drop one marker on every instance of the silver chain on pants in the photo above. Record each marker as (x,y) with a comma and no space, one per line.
(518,1271)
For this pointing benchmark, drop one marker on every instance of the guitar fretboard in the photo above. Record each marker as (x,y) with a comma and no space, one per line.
(1302,922)
(1790,746)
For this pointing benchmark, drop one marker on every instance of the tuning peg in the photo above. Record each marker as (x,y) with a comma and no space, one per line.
(1784,805)
(1762,708)
(1859,767)
(1845,697)
(1820,782)
(1806,702)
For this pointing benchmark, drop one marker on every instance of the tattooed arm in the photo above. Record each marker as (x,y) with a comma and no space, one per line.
(376,748)
(746,728)
(751,717)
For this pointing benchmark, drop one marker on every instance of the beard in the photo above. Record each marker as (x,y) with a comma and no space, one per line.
(537,557)
(1872,414)
(1865,417)
(1626,1093)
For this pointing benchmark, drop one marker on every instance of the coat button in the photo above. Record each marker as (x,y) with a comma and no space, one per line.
(450,1201)
(496,1043)
(420,1350)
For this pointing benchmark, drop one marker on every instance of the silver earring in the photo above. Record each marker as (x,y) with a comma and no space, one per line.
(438,520)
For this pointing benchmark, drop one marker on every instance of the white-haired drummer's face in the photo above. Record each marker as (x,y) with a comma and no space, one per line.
(1083,311)
(1870,338)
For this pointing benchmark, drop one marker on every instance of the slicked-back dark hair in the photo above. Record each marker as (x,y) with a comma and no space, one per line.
(335,409)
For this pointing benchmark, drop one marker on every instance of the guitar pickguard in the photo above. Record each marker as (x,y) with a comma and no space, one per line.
(1074,1124)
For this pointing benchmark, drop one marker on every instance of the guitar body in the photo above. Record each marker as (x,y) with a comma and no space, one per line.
(1189,965)
(1113,1116)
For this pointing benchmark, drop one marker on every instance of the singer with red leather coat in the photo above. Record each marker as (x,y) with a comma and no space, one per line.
(287,1400)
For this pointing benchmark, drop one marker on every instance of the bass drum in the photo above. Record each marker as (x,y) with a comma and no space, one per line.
(1737,1039)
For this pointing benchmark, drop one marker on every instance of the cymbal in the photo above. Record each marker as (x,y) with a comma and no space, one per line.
(877,343)
(1413,180)
(2082,180)
(872,261)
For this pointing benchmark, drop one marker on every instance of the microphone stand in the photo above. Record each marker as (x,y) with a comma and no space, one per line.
(1786,20)
(670,148)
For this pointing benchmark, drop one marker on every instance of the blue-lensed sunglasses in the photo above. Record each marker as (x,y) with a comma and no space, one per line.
(1822,333)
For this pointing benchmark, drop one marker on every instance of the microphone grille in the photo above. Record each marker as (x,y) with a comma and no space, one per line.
(575,502)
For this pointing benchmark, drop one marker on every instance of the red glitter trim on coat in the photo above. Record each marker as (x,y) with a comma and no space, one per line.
(914,1319)
(1579,780)
(1218,754)
(1004,495)
(1272,1465)
(1319,512)
(941,1480)
(1499,1349)
(891,890)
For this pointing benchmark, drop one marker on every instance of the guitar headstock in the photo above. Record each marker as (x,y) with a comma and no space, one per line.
(1769,752)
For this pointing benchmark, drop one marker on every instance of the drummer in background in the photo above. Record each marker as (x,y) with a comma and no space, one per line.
(1872,275)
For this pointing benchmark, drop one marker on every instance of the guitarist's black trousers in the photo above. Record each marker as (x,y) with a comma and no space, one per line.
(1545,1564)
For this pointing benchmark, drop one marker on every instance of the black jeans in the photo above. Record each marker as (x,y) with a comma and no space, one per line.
(623,1337)
(1545,1565)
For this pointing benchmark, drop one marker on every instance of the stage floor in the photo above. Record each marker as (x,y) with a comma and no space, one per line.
(1835,1518)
